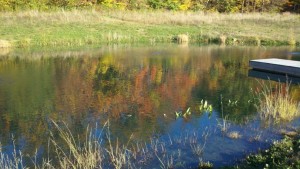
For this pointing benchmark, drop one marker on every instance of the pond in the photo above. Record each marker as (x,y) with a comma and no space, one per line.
(149,95)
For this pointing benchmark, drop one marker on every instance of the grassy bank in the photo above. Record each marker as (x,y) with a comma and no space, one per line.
(87,27)
(282,154)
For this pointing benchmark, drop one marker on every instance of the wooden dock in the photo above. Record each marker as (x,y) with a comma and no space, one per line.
(273,76)
(288,67)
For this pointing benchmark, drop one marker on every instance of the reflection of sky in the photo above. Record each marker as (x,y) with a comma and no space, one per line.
(220,149)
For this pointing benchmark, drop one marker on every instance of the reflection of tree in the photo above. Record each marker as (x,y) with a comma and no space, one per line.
(74,93)
(107,81)
(133,88)
(27,95)
(228,79)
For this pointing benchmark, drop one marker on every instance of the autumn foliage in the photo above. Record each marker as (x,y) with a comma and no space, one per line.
(228,6)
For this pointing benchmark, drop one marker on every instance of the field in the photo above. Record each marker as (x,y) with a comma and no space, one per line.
(92,27)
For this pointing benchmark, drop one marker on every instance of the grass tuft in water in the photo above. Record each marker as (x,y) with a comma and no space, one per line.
(276,104)
(10,163)
(105,151)
(234,135)
(86,155)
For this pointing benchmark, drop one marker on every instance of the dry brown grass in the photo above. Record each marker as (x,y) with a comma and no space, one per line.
(182,38)
(146,17)
(4,44)
(195,18)
(223,39)
(11,163)
(276,103)
(234,135)
(64,17)
(86,156)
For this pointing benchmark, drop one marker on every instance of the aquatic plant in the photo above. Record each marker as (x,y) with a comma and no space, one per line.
(234,135)
(276,103)
(224,125)
(257,137)
(185,114)
(89,155)
(178,114)
(205,107)
(11,163)
(205,165)
(232,103)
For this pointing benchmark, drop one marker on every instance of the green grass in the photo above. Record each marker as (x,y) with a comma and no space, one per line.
(282,154)
(86,27)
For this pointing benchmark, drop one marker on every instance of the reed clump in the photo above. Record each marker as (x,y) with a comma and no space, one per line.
(223,39)
(182,38)
(101,150)
(87,156)
(234,135)
(5,44)
(10,163)
(276,104)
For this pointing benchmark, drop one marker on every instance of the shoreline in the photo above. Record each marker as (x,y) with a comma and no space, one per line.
(77,28)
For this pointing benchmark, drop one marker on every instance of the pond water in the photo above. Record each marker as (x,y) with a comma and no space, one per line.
(139,89)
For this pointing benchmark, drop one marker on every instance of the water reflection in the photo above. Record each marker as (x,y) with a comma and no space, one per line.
(138,88)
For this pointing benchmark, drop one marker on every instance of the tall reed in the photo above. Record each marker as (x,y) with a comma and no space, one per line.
(71,153)
(86,156)
(275,103)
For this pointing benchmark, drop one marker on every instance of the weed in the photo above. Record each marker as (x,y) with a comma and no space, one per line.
(205,107)
(224,126)
(205,165)
(257,137)
(292,41)
(276,104)
(182,38)
(88,155)
(232,103)
(223,39)
(283,154)
(12,163)
(234,135)
(185,114)
(24,43)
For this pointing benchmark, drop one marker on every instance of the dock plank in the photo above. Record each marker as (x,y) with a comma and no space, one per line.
(273,76)
(283,66)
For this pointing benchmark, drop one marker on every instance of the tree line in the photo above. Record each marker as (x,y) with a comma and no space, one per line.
(223,6)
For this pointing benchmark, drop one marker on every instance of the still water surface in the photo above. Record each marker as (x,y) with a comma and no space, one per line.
(139,89)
